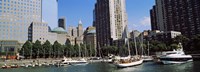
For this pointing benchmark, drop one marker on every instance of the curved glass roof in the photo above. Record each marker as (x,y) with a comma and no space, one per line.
(58,29)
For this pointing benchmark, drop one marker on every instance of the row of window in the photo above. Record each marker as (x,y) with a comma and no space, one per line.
(22,2)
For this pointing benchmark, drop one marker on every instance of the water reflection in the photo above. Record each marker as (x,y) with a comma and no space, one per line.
(105,67)
(153,67)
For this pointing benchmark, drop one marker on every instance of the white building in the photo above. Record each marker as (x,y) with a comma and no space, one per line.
(38,31)
(163,36)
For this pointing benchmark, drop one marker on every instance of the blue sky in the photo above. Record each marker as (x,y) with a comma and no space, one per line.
(75,10)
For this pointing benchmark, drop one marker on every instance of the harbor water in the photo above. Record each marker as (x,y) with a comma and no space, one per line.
(106,67)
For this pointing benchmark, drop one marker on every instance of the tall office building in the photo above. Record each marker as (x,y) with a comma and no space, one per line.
(177,15)
(154,24)
(62,22)
(16,16)
(50,12)
(110,20)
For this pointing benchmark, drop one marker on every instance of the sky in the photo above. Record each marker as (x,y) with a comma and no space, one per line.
(75,10)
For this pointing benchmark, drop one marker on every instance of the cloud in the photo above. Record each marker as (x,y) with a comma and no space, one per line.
(132,27)
(145,21)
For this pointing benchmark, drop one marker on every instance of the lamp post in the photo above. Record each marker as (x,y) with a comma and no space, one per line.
(31,51)
(1,44)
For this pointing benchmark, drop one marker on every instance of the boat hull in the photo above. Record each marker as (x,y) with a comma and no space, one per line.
(148,60)
(96,61)
(108,61)
(77,63)
(123,65)
(175,62)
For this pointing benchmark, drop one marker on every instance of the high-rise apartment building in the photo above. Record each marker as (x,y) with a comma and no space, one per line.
(62,22)
(176,15)
(154,24)
(110,20)
(16,16)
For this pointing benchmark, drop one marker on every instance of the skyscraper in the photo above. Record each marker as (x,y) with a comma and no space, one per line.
(16,16)
(110,19)
(177,15)
(62,22)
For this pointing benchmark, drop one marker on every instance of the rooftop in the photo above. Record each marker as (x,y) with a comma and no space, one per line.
(58,29)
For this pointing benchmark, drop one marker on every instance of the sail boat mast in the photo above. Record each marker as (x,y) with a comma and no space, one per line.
(136,52)
(129,51)
(99,50)
(79,51)
(142,44)
(148,48)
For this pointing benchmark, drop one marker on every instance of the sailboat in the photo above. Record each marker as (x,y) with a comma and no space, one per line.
(146,58)
(128,61)
(96,59)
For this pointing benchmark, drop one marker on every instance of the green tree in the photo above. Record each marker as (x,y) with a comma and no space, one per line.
(68,48)
(174,46)
(182,39)
(162,47)
(47,48)
(57,49)
(158,46)
(26,49)
(72,51)
(76,50)
(83,50)
(194,43)
(37,47)
(123,51)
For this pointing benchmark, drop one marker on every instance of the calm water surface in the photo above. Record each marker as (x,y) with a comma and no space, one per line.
(105,67)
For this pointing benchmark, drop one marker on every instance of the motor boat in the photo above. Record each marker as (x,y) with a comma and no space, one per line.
(108,60)
(175,57)
(96,59)
(72,62)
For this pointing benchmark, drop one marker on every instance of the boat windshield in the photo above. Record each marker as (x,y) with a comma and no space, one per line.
(170,53)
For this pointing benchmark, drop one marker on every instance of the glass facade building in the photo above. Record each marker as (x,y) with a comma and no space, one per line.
(16,16)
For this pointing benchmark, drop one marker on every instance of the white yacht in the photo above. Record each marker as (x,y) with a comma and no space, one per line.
(108,60)
(96,59)
(70,61)
(175,57)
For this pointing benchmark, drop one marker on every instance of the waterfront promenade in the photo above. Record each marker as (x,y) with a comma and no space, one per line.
(28,61)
